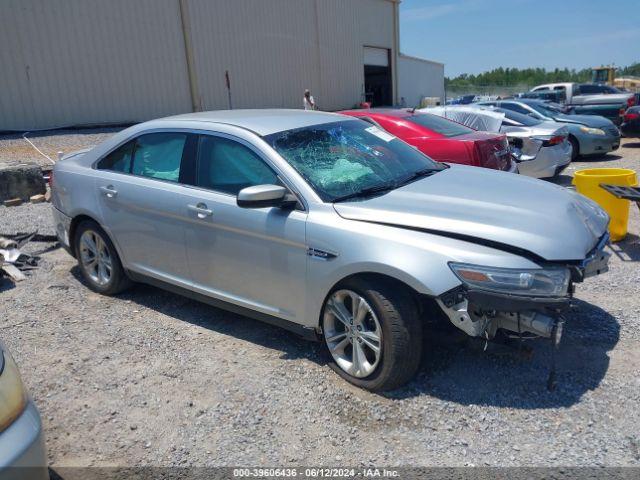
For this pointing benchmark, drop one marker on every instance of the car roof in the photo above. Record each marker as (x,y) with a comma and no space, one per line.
(260,121)
(528,100)
(391,112)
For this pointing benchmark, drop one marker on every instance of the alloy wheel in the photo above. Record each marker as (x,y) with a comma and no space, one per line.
(352,333)
(95,257)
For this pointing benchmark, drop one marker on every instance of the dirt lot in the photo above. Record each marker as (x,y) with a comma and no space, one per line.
(150,378)
(14,149)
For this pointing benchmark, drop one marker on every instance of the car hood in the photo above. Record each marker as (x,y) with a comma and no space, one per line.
(510,212)
(594,121)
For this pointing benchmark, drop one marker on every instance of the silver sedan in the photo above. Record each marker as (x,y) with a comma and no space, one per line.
(328,226)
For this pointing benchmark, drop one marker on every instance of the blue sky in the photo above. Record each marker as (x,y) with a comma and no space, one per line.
(472,36)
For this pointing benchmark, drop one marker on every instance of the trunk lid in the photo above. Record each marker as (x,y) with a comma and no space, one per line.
(489,149)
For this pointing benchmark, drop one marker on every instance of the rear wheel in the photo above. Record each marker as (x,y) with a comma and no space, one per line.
(98,260)
(575,147)
(373,334)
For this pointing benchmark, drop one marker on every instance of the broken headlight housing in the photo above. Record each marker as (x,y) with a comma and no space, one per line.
(12,396)
(544,282)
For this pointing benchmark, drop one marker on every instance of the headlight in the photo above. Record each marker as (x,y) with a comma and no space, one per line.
(592,131)
(547,282)
(12,397)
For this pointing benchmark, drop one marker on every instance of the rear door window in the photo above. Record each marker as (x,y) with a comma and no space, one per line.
(119,160)
(515,107)
(589,89)
(518,118)
(159,155)
(439,125)
(227,166)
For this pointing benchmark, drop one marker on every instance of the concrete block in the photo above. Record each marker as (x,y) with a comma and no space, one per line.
(14,202)
(21,181)
(37,198)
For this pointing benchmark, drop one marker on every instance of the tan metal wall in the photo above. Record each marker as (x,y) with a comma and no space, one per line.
(419,78)
(90,61)
(274,49)
(69,62)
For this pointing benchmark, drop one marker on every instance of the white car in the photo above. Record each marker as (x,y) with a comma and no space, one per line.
(542,149)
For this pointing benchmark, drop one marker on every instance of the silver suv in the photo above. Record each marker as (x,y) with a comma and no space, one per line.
(328,226)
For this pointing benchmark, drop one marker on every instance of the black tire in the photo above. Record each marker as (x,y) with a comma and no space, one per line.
(118,281)
(575,147)
(397,313)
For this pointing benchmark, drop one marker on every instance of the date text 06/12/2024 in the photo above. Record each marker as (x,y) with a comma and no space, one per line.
(315,472)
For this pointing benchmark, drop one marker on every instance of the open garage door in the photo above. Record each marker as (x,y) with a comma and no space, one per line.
(377,76)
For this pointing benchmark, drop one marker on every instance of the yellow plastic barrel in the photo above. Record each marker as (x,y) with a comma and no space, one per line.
(588,182)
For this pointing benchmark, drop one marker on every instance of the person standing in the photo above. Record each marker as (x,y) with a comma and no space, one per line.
(308,101)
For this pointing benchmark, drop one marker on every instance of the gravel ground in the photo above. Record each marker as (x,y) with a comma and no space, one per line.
(14,149)
(151,378)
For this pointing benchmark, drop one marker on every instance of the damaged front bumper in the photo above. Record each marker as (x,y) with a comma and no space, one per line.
(482,313)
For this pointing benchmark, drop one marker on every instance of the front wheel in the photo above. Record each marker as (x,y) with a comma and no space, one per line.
(373,334)
(575,148)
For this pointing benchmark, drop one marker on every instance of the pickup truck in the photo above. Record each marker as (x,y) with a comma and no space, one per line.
(591,99)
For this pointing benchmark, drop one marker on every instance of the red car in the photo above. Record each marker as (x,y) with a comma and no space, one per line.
(442,139)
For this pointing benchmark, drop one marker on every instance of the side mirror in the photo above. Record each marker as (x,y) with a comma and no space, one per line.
(261,196)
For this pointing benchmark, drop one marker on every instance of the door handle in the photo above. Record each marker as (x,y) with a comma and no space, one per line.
(201,210)
(109,191)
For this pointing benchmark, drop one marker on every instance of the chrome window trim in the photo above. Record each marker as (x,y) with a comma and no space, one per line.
(285,180)
(134,136)
(276,170)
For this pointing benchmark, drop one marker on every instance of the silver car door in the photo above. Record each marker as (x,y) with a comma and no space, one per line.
(254,258)
(141,202)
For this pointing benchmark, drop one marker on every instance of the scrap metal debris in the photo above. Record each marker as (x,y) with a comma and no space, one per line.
(13,261)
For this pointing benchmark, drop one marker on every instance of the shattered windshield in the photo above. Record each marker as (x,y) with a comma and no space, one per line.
(344,159)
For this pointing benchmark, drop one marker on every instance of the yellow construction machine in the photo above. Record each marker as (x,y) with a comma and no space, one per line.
(607,75)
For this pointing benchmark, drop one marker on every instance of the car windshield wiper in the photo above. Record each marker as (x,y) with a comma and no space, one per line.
(425,172)
(365,192)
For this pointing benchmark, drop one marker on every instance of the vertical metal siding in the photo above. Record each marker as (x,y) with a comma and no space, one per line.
(419,78)
(68,62)
(345,29)
(267,47)
(88,61)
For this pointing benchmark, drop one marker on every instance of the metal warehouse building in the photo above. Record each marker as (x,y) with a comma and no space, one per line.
(77,62)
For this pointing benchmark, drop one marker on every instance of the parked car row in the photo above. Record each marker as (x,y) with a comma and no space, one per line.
(588,134)
(588,98)
(333,227)
(541,149)
(442,139)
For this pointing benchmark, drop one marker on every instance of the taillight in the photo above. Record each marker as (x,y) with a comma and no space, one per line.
(557,140)
(631,101)
(628,117)
(51,179)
